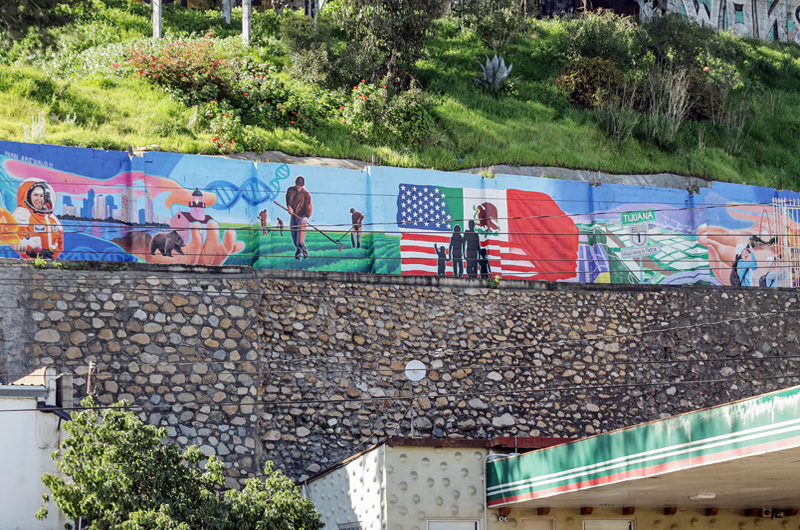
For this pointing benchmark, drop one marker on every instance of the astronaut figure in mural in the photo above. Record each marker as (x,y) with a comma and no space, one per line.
(40,232)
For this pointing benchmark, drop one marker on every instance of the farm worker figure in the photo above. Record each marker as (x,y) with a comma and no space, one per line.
(298,203)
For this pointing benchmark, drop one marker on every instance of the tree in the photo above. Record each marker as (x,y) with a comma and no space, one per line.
(118,474)
(393,32)
(19,16)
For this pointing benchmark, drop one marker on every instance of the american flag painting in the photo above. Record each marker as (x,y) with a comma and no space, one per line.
(525,234)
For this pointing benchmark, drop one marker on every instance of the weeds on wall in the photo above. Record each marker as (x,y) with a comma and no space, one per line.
(618,117)
(668,102)
(35,133)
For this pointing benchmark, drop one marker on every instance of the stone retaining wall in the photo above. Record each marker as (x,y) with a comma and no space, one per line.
(307,368)
(521,360)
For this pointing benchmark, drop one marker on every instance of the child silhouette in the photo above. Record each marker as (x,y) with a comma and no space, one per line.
(443,259)
(483,263)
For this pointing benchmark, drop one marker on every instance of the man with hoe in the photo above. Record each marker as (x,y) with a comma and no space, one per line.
(298,204)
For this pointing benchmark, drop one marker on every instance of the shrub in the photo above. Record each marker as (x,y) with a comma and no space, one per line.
(588,82)
(496,22)
(619,117)
(676,41)
(198,73)
(308,48)
(606,36)
(410,117)
(225,126)
(710,87)
(377,113)
(668,103)
(366,111)
(192,71)
(392,32)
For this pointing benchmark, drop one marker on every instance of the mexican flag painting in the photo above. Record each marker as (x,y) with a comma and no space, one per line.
(525,234)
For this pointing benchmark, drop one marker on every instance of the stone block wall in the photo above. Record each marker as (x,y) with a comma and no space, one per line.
(181,347)
(527,359)
(307,368)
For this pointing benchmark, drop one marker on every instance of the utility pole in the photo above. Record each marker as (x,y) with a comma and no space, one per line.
(157,29)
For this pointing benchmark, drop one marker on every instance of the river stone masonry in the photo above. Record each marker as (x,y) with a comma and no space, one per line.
(181,347)
(527,359)
(307,368)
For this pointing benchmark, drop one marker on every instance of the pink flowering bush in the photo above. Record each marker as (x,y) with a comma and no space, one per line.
(190,71)
(198,73)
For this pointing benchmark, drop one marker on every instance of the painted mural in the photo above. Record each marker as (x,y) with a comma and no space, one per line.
(774,20)
(81,204)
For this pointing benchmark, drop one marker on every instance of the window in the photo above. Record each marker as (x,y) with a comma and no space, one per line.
(607,524)
(739,13)
(453,524)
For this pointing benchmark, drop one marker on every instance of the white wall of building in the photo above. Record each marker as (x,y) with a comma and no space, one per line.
(28,439)
(353,493)
(433,483)
(404,488)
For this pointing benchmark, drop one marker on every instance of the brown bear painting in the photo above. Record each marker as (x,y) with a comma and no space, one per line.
(166,243)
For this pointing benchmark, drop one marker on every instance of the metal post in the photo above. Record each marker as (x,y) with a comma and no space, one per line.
(411,393)
(247,8)
(89,386)
(157,28)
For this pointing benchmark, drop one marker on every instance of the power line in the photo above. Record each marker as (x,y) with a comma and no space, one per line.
(102,185)
(440,353)
(261,404)
(574,364)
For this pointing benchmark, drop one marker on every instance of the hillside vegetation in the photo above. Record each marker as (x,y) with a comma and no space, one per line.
(597,92)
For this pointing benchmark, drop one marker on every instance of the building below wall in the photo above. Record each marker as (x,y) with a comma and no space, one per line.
(731,466)
(30,423)
(412,484)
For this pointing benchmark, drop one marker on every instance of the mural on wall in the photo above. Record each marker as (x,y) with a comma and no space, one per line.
(776,20)
(82,204)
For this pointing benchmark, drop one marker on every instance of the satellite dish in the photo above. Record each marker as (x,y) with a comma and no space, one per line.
(415,370)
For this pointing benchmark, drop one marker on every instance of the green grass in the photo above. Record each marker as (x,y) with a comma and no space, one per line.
(538,126)
(277,252)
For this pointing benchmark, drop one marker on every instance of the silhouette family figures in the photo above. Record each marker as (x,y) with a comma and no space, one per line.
(456,251)
(465,246)
(472,246)
(483,262)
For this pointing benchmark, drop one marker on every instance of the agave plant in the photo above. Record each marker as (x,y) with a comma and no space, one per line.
(495,74)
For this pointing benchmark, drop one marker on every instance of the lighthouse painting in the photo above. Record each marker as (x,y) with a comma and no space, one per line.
(182,221)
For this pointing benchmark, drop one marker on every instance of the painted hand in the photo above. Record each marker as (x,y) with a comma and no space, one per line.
(212,251)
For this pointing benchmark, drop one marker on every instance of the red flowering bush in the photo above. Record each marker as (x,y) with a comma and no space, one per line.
(190,71)
(377,113)
(227,131)
(366,110)
(228,134)
(197,73)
